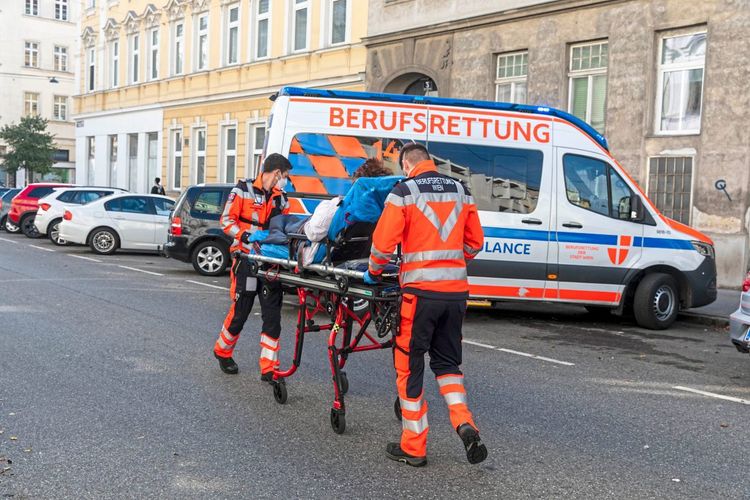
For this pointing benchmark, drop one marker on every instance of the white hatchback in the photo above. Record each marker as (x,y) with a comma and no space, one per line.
(122,221)
(52,207)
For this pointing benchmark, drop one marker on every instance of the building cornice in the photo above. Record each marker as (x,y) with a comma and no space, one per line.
(484,20)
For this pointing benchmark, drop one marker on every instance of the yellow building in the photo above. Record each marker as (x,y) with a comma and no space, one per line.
(180,90)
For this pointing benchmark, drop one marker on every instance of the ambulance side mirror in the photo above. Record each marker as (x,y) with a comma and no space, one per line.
(637,210)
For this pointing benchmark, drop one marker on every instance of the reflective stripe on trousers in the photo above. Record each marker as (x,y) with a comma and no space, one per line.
(453,391)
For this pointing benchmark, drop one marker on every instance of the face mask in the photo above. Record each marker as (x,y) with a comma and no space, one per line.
(281,184)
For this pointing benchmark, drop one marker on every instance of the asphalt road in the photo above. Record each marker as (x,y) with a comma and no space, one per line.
(108,389)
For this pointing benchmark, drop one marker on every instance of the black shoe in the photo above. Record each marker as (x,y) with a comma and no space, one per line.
(475,451)
(266,377)
(227,365)
(394,452)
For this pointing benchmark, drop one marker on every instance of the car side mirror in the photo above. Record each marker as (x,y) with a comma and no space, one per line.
(637,210)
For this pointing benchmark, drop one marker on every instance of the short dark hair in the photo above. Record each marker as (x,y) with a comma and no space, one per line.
(275,161)
(372,167)
(157,180)
(414,152)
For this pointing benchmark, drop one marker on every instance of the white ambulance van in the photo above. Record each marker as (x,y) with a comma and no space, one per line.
(563,221)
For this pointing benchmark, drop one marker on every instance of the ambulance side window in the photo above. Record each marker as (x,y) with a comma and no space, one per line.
(621,194)
(594,185)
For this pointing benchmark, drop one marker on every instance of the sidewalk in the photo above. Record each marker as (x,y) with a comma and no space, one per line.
(727,301)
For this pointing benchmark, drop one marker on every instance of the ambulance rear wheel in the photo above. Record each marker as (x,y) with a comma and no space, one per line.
(338,421)
(279,392)
(657,301)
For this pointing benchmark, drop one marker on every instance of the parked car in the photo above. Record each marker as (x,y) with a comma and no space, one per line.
(5,200)
(195,234)
(52,207)
(24,206)
(739,322)
(120,221)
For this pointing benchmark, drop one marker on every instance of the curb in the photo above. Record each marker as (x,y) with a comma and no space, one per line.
(703,319)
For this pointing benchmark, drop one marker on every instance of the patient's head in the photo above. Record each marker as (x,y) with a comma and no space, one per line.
(373,167)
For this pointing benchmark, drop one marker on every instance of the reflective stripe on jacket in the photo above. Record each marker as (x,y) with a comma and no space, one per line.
(435,219)
(249,208)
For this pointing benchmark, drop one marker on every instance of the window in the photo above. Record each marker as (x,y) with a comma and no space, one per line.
(134,59)
(176,160)
(262,26)
(594,185)
(229,156)
(680,95)
(201,42)
(130,204)
(199,158)
(231,42)
(163,207)
(510,77)
(67,197)
(114,61)
(152,159)
(132,162)
(90,4)
(208,205)
(60,109)
(40,192)
(670,186)
(32,7)
(587,94)
(90,153)
(178,40)
(256,142)
(31,55)
(299,25)
(61,10)
(30,103)
(112,179)
(337,27)
(91,75)
(60,58)
(153,49)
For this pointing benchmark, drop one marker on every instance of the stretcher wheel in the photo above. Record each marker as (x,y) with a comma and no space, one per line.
(344,386)
(253,268)
(279,392)
(343,283)
(397,408)
(338,421)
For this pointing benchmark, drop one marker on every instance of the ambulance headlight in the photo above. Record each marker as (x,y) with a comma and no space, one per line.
(704,249)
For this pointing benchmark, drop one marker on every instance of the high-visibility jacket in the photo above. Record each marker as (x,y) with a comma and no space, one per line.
(250,208)
(435,219)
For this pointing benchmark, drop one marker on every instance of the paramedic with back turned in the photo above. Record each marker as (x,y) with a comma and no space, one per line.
(248,210)
(435,220)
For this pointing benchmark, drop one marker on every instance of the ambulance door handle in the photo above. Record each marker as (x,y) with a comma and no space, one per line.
(535,222)
(574,225)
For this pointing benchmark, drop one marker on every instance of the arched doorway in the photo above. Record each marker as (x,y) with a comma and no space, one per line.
(412,84)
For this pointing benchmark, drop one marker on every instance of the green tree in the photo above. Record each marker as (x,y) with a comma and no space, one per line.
(30,146)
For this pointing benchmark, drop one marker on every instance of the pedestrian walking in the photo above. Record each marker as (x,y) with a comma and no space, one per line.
(157,188)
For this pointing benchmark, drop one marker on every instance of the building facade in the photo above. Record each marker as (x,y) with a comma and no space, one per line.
(180,89)
(664,80)
(37,68)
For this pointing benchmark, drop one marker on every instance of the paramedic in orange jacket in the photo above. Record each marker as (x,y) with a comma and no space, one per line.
(435,220)
(249,208)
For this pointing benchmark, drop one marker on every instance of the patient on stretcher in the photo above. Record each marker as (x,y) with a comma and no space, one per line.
(334,220)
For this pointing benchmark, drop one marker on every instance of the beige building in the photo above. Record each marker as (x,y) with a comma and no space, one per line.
(180,89)
(664,80)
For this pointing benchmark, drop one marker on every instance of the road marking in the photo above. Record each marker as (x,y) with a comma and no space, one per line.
(9,241)
(42,248)
(712,395)
(206,284)
(518,353)
(141,270)
(534,356)
(84,258)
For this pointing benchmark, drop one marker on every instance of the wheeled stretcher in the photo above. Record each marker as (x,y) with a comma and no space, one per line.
(333,298)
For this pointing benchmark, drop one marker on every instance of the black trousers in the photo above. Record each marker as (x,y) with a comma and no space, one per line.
(270,297)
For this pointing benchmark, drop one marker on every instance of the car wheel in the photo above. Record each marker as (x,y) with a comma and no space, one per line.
(27,226)
(53,232)
(210,258)
(104,241)
(657,301)
(10,227)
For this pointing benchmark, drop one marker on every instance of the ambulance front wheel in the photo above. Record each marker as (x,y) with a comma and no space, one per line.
(657,301)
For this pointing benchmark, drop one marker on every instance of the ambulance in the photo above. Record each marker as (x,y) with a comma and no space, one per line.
(563,221)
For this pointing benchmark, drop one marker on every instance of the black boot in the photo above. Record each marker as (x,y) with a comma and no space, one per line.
(227,365)
(266,377)
(475,451)
(394,452)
